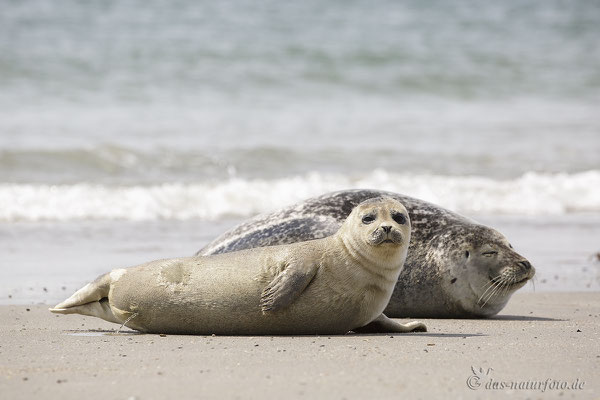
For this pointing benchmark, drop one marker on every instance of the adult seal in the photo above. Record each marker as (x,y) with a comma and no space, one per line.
(456,268)
(326,286)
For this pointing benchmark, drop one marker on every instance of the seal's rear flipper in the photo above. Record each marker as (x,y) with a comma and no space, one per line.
(92,292)
(100,309)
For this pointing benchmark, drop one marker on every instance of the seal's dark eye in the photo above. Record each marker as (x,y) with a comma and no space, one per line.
(467,254)
(367,219)
(399,218)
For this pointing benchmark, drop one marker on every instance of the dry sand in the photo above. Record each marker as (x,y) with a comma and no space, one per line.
(538,337)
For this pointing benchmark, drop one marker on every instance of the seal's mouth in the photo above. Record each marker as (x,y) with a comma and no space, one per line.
(521,282)
(503,285)
(509,283)
(388,242)
(388,238)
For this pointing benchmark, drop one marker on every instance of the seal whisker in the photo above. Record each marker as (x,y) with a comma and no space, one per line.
(132,316)
(492,294)
(489,286)
(487,295)
(498,292)
(502,284)
(507,286)
(492,280)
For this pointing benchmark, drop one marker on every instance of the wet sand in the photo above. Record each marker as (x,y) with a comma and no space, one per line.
(538,337)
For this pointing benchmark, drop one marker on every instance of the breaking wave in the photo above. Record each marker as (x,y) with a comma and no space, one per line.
(531,194)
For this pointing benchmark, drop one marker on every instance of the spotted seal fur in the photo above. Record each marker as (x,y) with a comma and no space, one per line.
(456,267)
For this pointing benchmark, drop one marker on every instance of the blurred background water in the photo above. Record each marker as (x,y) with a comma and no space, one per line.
(173,120)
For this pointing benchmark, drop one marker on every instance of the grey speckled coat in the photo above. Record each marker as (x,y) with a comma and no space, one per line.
(445,274)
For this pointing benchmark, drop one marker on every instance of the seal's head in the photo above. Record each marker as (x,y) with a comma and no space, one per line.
(378,229)
(494,271)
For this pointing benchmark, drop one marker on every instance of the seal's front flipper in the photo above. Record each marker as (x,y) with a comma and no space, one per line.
(383,324)
(286,287)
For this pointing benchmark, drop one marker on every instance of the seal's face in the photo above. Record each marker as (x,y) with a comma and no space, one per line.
(496,271)
(383,225)
(378,231)
(382,222)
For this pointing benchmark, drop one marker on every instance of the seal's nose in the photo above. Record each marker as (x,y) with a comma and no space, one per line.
(526,265)
(386,228)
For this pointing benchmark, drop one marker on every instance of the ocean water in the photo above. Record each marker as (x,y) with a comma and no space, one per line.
(169,121)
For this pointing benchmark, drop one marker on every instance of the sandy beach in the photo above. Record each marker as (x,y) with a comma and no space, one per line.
(142,130)
(538,338)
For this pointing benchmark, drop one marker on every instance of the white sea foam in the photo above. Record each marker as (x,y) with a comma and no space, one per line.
(531,194)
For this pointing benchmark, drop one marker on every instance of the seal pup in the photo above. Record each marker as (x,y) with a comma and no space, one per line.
(456,267)
(325,286)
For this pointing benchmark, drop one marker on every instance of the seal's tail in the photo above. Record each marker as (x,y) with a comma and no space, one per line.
(90,293)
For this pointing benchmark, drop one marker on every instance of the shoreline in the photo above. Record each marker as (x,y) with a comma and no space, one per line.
(537,337)
(47,262)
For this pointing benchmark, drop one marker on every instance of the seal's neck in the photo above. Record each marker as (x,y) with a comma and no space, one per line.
(384,263)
